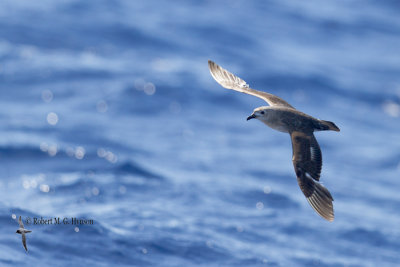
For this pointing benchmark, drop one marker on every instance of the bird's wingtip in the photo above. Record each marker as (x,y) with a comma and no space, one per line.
(317,196)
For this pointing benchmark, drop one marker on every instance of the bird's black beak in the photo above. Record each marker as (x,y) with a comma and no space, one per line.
(252,116)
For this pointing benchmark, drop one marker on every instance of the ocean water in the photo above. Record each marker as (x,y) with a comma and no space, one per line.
(108,114)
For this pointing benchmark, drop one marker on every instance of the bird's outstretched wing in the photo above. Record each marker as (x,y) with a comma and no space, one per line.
(21,225)
(231,81)
(307,162)
(306,153)
(24,241)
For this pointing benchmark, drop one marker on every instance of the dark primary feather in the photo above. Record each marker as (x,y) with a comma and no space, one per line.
(24,241)
(317,196)
(307,162)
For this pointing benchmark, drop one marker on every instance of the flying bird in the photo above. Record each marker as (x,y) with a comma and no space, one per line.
(22,231)
(281,116)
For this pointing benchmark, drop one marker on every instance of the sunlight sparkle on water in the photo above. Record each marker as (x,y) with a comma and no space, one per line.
(267,189)
(44,146)
(149,89)
(33,184)
(108,155)
(101,152)
(111,157)
(260,205)
(391,108)
(52,118)
(80,152)
(44,188)
(52,150)
(26,184)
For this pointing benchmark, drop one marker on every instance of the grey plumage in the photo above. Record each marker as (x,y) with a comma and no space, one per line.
(281,116)
(22,231)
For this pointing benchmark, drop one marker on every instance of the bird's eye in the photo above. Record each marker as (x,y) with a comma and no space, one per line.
(262,112)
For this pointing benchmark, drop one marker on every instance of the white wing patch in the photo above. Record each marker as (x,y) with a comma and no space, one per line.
(312,153)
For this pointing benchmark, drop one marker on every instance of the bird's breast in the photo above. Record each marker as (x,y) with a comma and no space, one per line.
(277,125)
(275,120)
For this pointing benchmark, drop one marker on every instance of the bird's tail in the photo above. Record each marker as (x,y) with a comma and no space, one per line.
(326,125)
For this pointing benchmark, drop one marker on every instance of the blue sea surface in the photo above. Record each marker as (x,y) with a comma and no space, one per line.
(109,115)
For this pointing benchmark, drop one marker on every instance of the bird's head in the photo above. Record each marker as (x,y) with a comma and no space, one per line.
(260,113)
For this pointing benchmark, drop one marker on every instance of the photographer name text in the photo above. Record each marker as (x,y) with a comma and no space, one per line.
(58,221)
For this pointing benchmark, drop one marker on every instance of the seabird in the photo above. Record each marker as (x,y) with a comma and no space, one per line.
(281,116)
(22,231)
